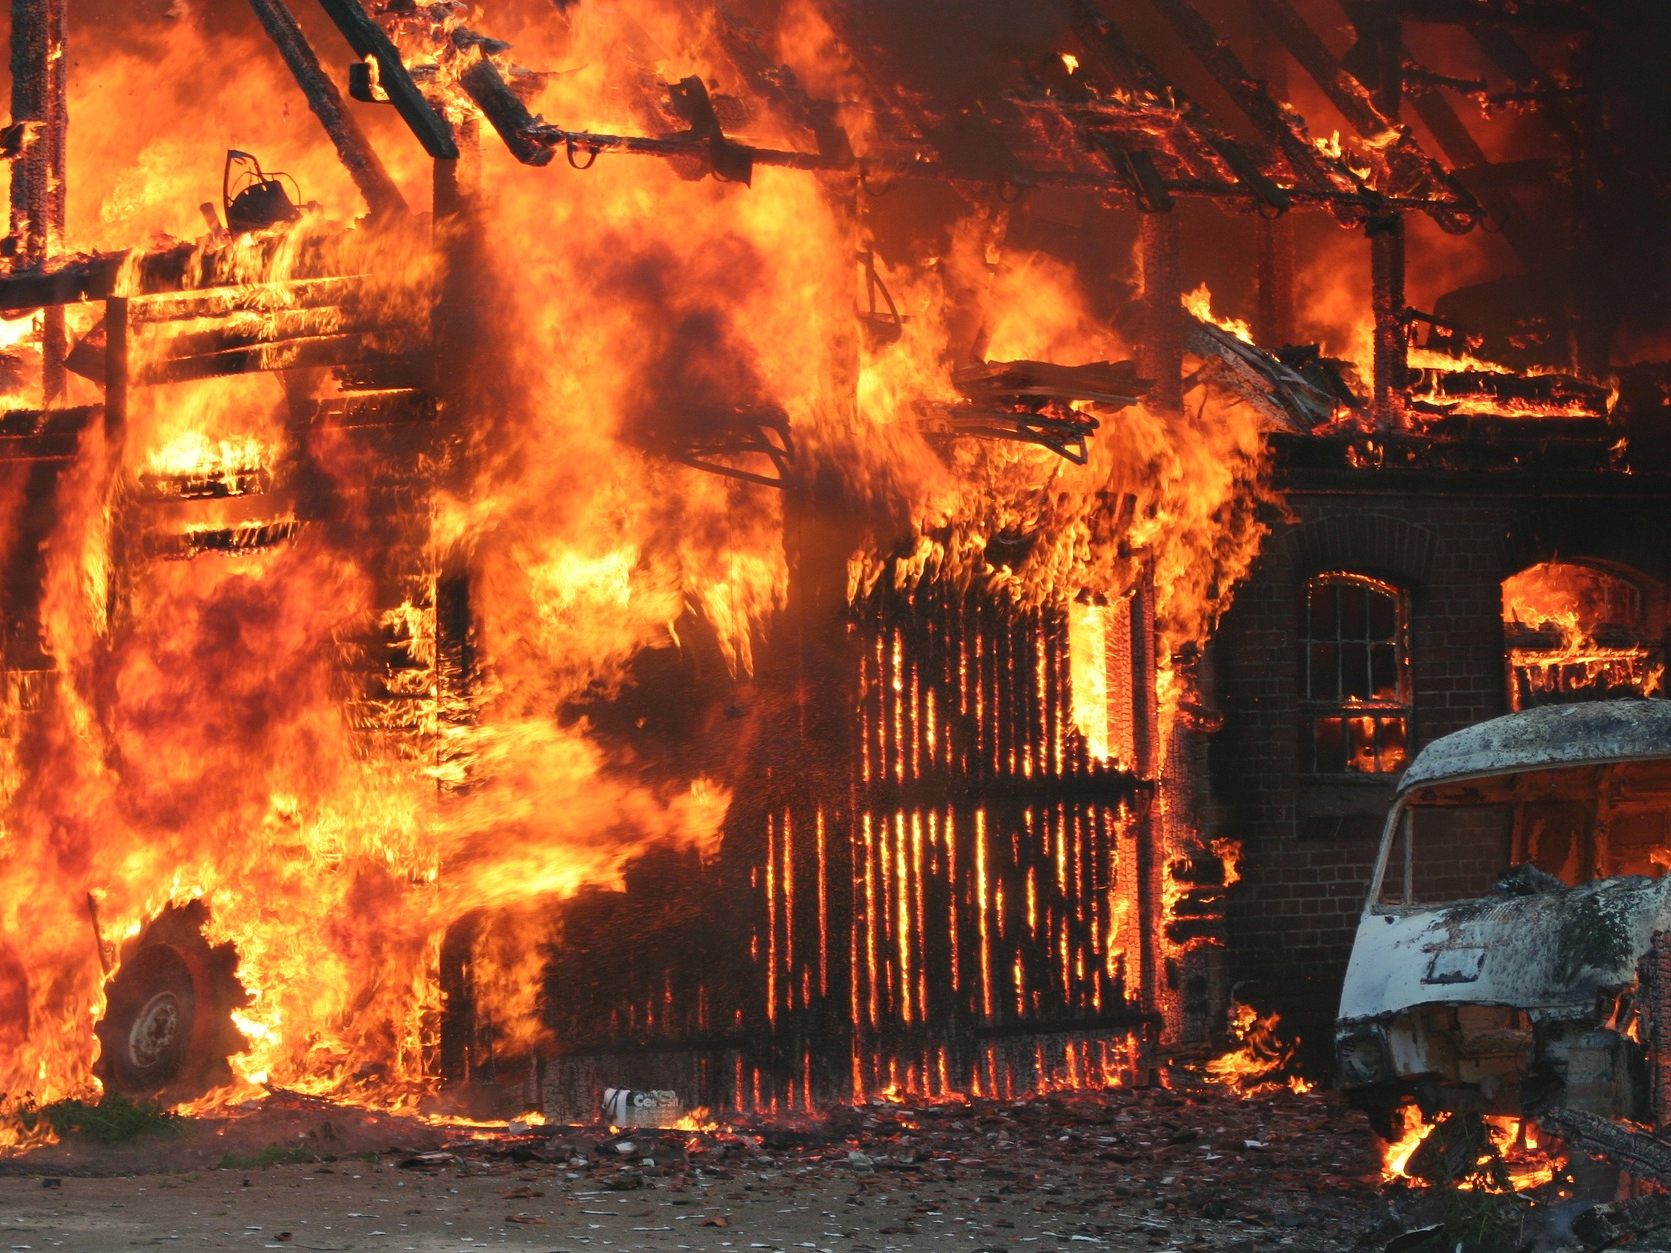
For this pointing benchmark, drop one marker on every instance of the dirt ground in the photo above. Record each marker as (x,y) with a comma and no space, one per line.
(1145,1170)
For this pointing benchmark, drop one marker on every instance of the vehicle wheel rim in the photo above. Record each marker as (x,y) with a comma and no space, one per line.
(154,1030)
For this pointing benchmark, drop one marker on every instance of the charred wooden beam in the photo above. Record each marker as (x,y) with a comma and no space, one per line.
(223,330)
(44,434)
(116,369)
(1344,91)
(1104,41)
(1276,124)
(1162,356)
(1138,168)
(533,141)
(381,194)
(296,354)
(155,488)
(367,39)
(274,330)
(92,278)
(505,112)
(221,302)
(392,408)
(1556,393)
(1372,118)
(1274,281)
(1391,342)
(40,120)
(240,540)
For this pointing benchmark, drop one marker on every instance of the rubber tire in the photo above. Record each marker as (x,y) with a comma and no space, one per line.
(167,1029)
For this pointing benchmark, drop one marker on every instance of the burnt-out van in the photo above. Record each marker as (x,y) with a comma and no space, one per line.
(1514,954)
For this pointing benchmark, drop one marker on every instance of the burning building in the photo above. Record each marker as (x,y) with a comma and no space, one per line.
(739,618)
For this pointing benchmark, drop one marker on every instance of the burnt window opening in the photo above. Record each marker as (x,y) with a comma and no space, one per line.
(1354,676)
(1574,631)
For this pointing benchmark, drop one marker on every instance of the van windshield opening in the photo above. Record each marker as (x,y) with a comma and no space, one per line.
(1578,824)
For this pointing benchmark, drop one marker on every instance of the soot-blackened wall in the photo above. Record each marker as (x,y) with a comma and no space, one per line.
(1445,539)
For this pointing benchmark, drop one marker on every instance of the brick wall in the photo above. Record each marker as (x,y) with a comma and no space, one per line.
(1308,843)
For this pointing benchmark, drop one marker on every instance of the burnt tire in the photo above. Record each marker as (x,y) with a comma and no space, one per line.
(167,1029)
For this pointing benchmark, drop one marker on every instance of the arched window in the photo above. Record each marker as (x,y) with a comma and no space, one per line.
(1354,676)
(1575,631)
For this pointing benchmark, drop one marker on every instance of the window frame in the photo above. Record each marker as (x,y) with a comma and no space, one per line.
(1313,709)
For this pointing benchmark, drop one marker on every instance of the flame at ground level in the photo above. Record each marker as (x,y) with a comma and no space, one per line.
(1509,1156)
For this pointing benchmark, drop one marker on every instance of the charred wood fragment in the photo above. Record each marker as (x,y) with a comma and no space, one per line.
(758,437)
(1281,393)
(1625,1146)
(381,194)
(1610,1224)
(1033,402)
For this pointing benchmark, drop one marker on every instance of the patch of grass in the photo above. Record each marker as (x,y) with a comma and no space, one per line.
(272,1155)
(1482,1220)
(113,1120)
(300,1153)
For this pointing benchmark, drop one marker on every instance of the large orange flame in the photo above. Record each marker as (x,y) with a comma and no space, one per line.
(183,734)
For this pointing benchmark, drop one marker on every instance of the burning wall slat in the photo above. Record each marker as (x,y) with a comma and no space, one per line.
(991,860)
